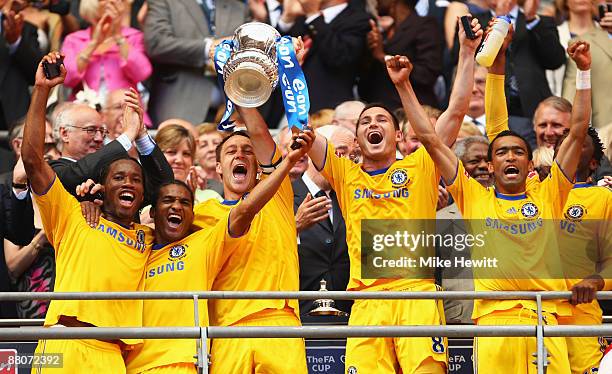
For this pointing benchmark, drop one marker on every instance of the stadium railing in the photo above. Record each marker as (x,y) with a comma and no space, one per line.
(538,331)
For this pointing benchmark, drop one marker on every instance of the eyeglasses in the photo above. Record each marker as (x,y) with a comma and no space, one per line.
(91,130)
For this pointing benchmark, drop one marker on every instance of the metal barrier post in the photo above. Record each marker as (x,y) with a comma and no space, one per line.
(541,354)
(203,350)
(196,316)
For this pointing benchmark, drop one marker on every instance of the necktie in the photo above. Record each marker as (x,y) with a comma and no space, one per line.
(209,13)
(322,193)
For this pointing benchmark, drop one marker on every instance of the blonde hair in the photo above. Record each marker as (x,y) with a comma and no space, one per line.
(88,10)
(208,128)
(468,129)
(543,156)
(321,118)
(172,135)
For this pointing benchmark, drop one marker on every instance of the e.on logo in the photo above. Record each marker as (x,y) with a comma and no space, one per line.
(7,361)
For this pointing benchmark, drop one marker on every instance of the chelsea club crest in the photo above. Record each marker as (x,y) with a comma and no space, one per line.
(177,252)
(529,210)
(575,213)
(399,178)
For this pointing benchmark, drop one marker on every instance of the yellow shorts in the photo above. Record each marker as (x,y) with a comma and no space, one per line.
(388,355)
(585,353)
(82,356)
(180,368)
(269,356)
(514,355)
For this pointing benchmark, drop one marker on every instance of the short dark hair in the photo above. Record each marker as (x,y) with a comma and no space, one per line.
(175,182)
(383,106)
(106,168)
(220,146)
(509,133)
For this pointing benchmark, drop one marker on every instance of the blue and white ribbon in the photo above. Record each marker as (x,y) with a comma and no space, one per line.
(222,54)
(291,79)
(293,84)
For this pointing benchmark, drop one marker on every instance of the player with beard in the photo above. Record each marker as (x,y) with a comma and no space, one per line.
(385,188)
(530,261)
(109,257)
(178,256)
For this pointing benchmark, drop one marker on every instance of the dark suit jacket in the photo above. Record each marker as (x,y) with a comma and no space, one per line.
(531,53)
(17,73)
(323,252)
(332,63)
(16,225)
(419,39)
(156,168)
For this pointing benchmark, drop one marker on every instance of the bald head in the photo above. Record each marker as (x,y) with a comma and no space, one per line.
(347,114)
(80,130)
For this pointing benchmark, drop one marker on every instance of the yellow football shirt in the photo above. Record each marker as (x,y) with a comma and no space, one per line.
(189,264)
(406,190)
(521,232)
(264,259)
(109,257)
(586,238)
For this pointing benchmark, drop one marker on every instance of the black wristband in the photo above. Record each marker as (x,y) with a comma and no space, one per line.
(20,186)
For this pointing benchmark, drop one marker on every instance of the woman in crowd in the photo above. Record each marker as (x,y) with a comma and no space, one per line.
(208,140)
(106,56)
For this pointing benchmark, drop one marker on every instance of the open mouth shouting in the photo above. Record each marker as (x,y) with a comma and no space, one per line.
(126,199)
(375,136)
(511,172)
(174,220)
(239,172)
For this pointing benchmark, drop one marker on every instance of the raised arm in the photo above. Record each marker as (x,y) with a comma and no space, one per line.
(568,155)
(399,68)
(449,123)
(39,172)
(260,135)
(496,110)
(242,215)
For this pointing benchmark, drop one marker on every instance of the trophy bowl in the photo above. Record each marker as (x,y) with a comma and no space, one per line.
(251,72)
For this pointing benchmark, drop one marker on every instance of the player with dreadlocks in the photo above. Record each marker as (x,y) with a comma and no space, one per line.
(586,254)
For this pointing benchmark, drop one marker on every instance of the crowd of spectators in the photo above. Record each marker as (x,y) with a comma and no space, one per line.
(160,48)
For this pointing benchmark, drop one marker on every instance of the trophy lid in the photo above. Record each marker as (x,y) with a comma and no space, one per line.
(256,35)
(325,307)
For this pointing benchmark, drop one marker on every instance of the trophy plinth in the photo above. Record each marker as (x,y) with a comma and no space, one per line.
(251,72)
(325,307)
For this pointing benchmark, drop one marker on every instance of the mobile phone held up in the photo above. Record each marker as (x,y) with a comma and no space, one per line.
(466,22)
(603,8)
(52,70)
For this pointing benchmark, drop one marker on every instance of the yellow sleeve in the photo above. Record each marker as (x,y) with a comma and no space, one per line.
(605,243)
(335,168)
(60,212)
(464,189)
(556,188)
(217,252)
(496,111)
(426,163)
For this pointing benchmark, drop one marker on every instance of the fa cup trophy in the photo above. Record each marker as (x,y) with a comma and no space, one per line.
(325,307)
(251,72)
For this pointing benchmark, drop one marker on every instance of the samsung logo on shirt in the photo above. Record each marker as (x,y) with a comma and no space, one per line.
(365,193)
(514,229)
(168,268)
(121,238)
